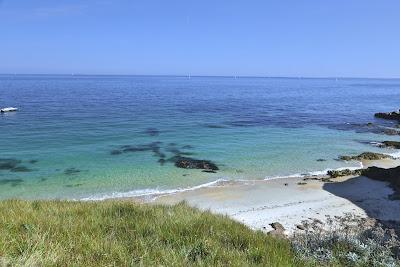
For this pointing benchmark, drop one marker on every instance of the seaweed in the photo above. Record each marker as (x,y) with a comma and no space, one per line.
(8,164)
(71,171)
(12,182)
(21,169)
(152,132)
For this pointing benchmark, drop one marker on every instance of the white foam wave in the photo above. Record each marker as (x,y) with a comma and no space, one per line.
(150,193)
(395,155)
(314,173)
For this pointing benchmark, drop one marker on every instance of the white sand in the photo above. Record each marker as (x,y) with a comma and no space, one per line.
(259,203)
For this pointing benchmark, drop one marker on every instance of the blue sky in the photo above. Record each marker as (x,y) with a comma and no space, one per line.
(332,38)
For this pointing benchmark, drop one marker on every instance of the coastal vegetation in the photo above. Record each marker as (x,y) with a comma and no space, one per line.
(122,233)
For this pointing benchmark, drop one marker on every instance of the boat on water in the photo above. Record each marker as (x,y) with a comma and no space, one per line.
(9,109)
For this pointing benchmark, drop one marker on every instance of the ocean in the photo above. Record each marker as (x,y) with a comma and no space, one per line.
(97,137)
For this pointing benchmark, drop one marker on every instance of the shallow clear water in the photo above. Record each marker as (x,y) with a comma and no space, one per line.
(252,128)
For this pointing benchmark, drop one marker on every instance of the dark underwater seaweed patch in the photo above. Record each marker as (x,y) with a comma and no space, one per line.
(73,185)
(180,158)
(21,169)
(152,132)
(115,152)
(215,126)
(12,182)
(71,171)
(8,164)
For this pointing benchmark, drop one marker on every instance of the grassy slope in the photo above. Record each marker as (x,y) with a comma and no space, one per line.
(109,233)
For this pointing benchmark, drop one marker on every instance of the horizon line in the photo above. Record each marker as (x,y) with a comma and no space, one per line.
(190,76)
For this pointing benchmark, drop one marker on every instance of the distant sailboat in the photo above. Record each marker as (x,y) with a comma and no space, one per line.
(9,109)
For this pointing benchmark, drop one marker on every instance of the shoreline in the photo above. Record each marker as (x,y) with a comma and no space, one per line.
(290,200)
(150,194)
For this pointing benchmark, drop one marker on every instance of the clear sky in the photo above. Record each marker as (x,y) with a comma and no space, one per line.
(336,38)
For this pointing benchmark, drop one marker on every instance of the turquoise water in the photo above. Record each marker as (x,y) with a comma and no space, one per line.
(252,128)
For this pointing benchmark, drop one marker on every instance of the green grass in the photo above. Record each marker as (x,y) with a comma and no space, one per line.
(117,233)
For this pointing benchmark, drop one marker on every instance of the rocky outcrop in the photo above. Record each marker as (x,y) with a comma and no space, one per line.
(391,175)
(394,115)
(391,144)
(279,230)
(345,172)
(366,156)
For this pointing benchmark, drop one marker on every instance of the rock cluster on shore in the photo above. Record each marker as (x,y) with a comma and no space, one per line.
(345,172)
(391,144)
(391,175)
(366,156)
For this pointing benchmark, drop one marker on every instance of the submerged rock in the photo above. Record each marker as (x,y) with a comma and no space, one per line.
(394,115)
(189,163)
(366,156)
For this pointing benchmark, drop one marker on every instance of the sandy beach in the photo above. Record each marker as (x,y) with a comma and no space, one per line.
(289,201)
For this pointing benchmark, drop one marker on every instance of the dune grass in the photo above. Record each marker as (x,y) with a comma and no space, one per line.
(118,233)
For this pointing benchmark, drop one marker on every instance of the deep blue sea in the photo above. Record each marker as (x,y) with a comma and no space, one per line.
(93,137)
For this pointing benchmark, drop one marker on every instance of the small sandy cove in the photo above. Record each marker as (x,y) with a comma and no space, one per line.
(290,201)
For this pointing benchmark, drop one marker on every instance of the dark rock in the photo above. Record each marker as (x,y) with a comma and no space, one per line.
(300,227)
(370,124)
(161,161)
(392,144)
(301,183)
(187,147)
(345,172)
(394,115)
(391,175)
(21,169)
(33,161)
(321,160)
(71,171)
(285,184)
(366,156)
(189,163)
